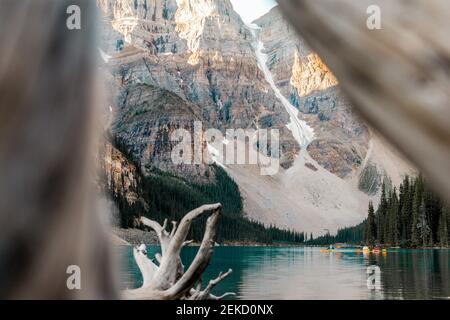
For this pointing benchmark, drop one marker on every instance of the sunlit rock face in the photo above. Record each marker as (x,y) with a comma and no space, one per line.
(310,74)
(341,138)
(121,176)
(222,70)
(201,51)
(296,69)
(146,24)
(199,21)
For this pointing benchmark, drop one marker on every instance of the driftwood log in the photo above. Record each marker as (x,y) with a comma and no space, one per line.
(397,77)
(48,100)
(166,279)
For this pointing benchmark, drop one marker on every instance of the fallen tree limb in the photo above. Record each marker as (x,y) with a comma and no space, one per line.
(169,281)
(206,294)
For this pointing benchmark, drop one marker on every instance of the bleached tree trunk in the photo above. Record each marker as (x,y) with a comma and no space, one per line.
(167,279)
(397,77)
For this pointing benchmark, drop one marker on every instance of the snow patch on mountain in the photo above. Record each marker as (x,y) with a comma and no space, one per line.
(302,133)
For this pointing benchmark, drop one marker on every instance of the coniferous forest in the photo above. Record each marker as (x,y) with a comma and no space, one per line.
(171,197)
(413,216)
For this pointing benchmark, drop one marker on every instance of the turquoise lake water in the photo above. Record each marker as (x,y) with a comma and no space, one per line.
(307,273)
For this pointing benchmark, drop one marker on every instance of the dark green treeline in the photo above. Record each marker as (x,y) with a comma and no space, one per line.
(412,216)
(171,197)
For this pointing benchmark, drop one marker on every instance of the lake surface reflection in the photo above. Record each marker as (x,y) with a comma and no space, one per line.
(307,273)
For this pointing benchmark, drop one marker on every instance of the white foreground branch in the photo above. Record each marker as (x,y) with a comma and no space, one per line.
(169,281)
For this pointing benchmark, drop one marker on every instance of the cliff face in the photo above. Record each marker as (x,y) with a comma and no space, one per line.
(120,175)
(202,51)
(342,140)
(170,65)
(146,24)
(144,123)
(296,69)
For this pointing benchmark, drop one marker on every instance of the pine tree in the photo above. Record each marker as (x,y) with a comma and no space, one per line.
(443,228)
(417,203)
(433,207)
(381,215)
(423,226)
(393,218)
(406,213)
(371,228)
(416,217)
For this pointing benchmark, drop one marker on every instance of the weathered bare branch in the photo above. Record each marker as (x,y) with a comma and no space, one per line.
(168,272)
(202,258)
(214,282)
(174,228)
(147,267)
(164,225)
(160,231)
(206,294)
(151,224)
(183,229)
(188,242)
(169,281)
(226,294)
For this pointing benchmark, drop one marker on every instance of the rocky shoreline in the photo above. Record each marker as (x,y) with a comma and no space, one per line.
(135,237)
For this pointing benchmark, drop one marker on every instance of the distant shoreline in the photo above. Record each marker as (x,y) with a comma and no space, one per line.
(134,237)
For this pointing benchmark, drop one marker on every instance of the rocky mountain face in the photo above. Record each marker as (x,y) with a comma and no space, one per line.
(342,142)
(122,177)
(341,138)
(171,64)
(146,24)
(201,51)
(144,122)
(297,70)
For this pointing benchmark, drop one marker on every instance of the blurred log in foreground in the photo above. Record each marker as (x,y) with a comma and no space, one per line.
(48,217)
(397,77)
